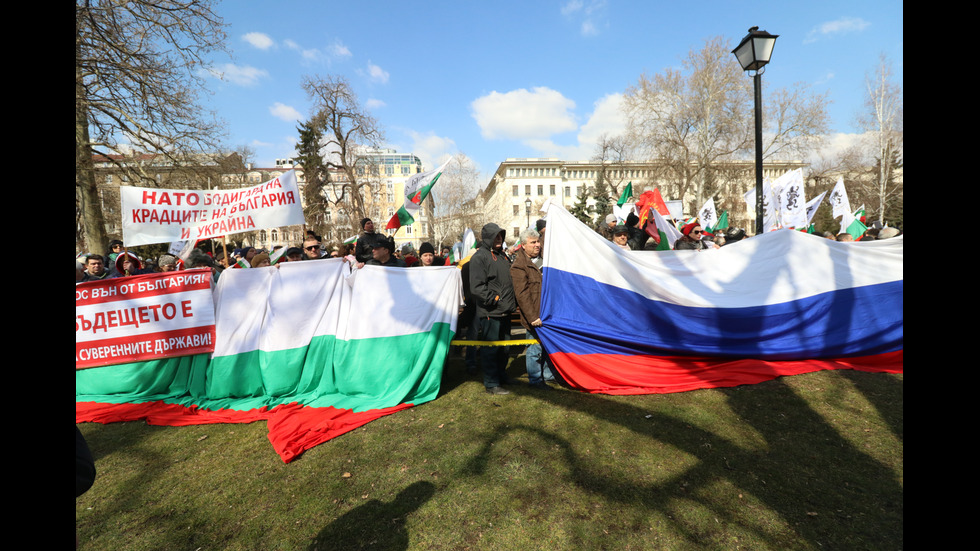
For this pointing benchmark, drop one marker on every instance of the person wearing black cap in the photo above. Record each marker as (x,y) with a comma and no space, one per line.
(368,240)
(383,254)
(621,236)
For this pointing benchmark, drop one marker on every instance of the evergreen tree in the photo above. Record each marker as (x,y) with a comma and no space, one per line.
(603,204)
(314,172)
(581,208)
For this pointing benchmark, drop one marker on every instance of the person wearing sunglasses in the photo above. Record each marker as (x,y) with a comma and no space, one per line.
(691,237)
(311,248)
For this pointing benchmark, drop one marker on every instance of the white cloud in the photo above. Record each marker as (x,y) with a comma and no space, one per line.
(308,54)
(241,75)
(339,51)
(285,112)
(261,41)
(835,145)
(591,15)
(839,26)
(571,7)
(373,103)
(523,114)
(607,118)
(429,147)
(377,74)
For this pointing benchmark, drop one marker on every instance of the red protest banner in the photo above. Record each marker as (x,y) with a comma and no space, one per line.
(143,317)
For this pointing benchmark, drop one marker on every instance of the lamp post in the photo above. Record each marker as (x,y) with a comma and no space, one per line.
(753,54)
(527,208)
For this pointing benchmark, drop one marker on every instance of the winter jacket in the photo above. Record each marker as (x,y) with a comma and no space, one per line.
(365,242)
(490,283)
(526,278)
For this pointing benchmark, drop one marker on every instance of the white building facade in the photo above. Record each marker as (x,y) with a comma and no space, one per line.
(520,183)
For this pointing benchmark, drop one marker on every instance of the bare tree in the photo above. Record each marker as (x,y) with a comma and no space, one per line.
(883,120)
(692,120)
(346,129)
(137,72)
(795,122)
(695,120)
(455,194)
(612,153)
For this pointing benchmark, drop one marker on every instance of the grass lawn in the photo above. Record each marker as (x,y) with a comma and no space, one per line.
(807,462)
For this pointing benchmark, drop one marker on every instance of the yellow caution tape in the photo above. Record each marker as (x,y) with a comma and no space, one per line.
(494,343)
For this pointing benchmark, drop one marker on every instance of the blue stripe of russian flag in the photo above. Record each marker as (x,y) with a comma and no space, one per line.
(584,316)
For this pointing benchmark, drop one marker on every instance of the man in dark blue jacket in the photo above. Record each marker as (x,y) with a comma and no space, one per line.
(493,296)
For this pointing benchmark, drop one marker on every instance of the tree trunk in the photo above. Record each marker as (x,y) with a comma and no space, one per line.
(92,231)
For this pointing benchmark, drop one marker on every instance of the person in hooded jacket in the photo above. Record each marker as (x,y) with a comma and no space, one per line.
(493,297)
(128,264)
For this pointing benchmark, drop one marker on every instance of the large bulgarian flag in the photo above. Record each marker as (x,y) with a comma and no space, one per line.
(313,350)
(780,303)
(417,188)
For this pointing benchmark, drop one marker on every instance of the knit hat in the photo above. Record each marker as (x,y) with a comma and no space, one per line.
(426,248)
(687,228)
(364,221)
(257,259)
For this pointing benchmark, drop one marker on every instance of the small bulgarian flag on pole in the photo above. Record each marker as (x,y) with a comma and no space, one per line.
(627,193)
(722,223)
(852,223)
(417,188)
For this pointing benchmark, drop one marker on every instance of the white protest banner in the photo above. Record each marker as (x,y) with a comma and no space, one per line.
(152,215)
(143,317)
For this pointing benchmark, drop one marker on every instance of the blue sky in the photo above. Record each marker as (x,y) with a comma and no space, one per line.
(505,79)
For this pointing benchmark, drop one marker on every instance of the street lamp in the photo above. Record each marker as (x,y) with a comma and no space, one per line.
(527,208)
(753,54)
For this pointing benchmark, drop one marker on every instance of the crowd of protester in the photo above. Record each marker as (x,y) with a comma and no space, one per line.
(500,283)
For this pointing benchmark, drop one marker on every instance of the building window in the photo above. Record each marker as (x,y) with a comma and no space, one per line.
(527,190)
(408,230)
(516,193)
(517,209)
(540,190)
(552,190)
(568,191)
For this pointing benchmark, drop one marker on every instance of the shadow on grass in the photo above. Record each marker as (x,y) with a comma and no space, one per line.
(375,524)
(820,488)
(878,390)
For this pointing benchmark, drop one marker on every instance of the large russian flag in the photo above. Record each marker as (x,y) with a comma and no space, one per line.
(782,303)
(305,346)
